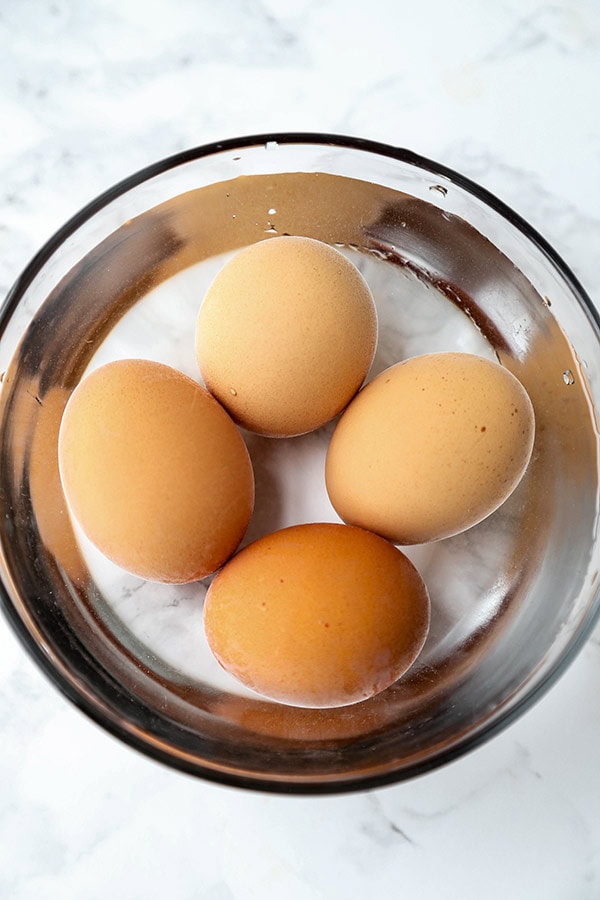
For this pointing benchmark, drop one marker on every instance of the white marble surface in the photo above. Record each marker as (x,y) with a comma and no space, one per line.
(506,92)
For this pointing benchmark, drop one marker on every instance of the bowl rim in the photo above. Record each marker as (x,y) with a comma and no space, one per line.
(97,711)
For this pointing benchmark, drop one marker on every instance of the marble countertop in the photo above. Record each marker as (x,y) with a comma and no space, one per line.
(505,92)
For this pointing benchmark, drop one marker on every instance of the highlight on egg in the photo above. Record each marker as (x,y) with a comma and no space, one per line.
(286,335)
(318,615)
(431,447)
(155,471)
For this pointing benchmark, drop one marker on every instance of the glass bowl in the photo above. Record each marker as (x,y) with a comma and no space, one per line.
(451,268)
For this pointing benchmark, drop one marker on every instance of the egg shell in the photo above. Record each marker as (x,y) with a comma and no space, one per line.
(430,447)
(286,335)
(155,471)
(318,615)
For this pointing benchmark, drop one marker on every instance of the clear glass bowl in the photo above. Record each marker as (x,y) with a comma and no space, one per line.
(451,268)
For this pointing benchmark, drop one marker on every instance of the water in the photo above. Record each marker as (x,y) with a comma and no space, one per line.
(162,623)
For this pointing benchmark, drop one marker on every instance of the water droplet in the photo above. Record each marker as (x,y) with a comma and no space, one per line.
(269,229)
(236,158)
(546,301)
(233,392)
(568,377)
(439,188)
(339,244)
(234,216)
(272,211)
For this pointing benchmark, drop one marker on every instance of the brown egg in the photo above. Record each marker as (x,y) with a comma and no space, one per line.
(286,335)
(317,615)
(155,471)
(430,447)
